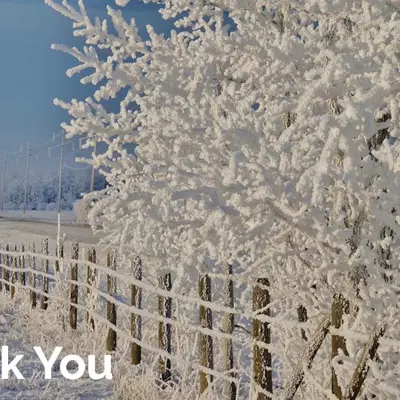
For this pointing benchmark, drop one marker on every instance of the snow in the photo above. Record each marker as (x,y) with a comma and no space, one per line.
(39,216)
(43,188)
(303,191)
(35,386)
(16,228)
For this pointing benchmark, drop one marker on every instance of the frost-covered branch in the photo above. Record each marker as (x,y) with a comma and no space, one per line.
(257,121)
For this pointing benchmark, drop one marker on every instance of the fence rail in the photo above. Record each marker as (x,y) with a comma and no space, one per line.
(234,341)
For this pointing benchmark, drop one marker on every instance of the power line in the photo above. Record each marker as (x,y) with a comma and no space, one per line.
(95,153)
(42,179)
(76,168)
(36,149)
(14,152)
(34,145)
(43,144)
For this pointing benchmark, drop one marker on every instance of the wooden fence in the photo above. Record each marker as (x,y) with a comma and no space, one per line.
(24,269)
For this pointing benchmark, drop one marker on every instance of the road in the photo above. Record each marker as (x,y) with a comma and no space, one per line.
(12,227)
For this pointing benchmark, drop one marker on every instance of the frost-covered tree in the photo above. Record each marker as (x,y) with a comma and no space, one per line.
(266,136)
(43,189)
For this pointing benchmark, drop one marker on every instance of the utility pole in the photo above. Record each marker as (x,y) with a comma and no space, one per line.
(60,177)
(3,188)
(27,155)
(93,171)
(81,147)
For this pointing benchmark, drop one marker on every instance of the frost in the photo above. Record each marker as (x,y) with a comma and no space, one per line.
(304,190)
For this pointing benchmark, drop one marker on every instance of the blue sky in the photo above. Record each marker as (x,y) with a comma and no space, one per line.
(32,75)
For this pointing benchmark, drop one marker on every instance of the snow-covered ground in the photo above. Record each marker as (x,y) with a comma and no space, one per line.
(66,216)
(20,328)
(13,325)
(16,228)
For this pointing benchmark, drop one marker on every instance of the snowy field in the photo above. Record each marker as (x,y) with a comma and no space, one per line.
(66,216)
(16,228)
(20,332)
(16,333)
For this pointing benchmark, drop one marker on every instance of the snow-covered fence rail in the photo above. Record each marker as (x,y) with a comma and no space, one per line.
(226,332)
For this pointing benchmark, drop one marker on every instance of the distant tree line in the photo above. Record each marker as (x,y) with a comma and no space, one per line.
(43,189)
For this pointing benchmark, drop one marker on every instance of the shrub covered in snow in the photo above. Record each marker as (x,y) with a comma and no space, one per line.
(81,209)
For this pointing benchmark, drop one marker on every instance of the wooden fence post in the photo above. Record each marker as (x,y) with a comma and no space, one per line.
(32,275)
(44,300)
(14,266)
(90,280)
(111,307)
(338,342)
(136,320)
(206,341)
(6,269)
(22,276)
(164,329)
(73,310)
(228,324)
(302,317)
(59,256)
(1,268)
(262,358)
